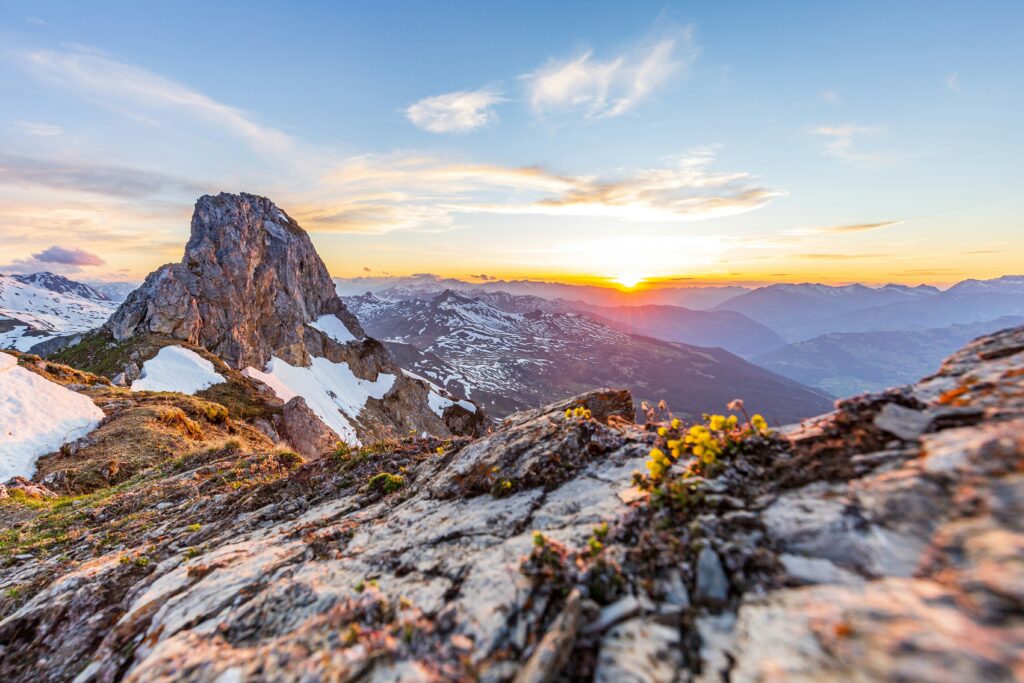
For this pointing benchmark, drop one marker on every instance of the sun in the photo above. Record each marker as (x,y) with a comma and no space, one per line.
(628,280)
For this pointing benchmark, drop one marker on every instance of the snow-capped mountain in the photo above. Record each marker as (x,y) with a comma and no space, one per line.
(508,360)
(1008,284)
(31,314)
(61,285)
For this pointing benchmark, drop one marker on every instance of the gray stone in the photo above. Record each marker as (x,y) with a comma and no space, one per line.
(906,423)
(639,651)
(712,585)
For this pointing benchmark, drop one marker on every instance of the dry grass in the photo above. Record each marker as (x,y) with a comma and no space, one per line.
(145,430)
(177,419)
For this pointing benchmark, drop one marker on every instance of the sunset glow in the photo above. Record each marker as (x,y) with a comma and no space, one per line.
(607,152)
(629,280)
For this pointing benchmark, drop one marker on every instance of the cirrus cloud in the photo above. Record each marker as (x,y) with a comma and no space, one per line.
(392,192)
(607,88)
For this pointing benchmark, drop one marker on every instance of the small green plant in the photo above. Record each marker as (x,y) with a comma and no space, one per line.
(194,527)
(141,561)
(290,459)
(386,482)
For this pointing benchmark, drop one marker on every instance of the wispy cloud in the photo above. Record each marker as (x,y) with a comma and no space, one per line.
(112,181)
(38,129)
(455,112)
(396,192)
(606,88)
(841,142)
(860,227)
(108,79)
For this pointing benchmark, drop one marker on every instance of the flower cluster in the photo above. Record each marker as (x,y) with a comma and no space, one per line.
(578,411)
(706,443)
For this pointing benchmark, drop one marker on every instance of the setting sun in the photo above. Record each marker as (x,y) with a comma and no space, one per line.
(628,280)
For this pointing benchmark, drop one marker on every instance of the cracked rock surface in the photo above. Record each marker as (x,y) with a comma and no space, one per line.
(883,541)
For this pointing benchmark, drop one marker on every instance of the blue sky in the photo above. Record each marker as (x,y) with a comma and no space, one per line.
(628,141)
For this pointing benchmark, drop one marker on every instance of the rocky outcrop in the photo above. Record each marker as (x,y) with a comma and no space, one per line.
(880,542)
(251,287)
(248,287)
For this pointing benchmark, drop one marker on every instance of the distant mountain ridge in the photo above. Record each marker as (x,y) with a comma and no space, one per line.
(729,330)
(804,311)
(854,362)
(61,285)
(509,360)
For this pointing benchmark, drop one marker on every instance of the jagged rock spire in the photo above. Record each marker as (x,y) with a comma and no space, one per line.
(247,286)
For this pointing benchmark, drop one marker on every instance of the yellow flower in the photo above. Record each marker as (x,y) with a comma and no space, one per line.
(568,413)
(676,423)
(658,463)
(662,431)
(759,423)
(440,451)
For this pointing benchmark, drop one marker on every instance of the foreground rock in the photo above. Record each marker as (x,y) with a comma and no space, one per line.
(881,542)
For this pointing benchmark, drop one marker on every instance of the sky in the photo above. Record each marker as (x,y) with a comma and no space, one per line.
(628,144)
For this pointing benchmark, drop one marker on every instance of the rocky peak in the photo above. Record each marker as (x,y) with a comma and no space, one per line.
(252,290)
(247,288)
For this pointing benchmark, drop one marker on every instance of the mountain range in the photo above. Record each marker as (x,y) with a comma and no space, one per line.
(508,360)
(844,363)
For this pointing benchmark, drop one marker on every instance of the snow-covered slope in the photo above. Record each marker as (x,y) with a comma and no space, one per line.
(175,368)
(61,285)
(331,390)
(37,417)
(30,314)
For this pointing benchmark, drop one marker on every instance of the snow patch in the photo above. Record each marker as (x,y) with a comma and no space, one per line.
(438,403)
(179,369)
(332,326)
(37,417)
(331,390)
